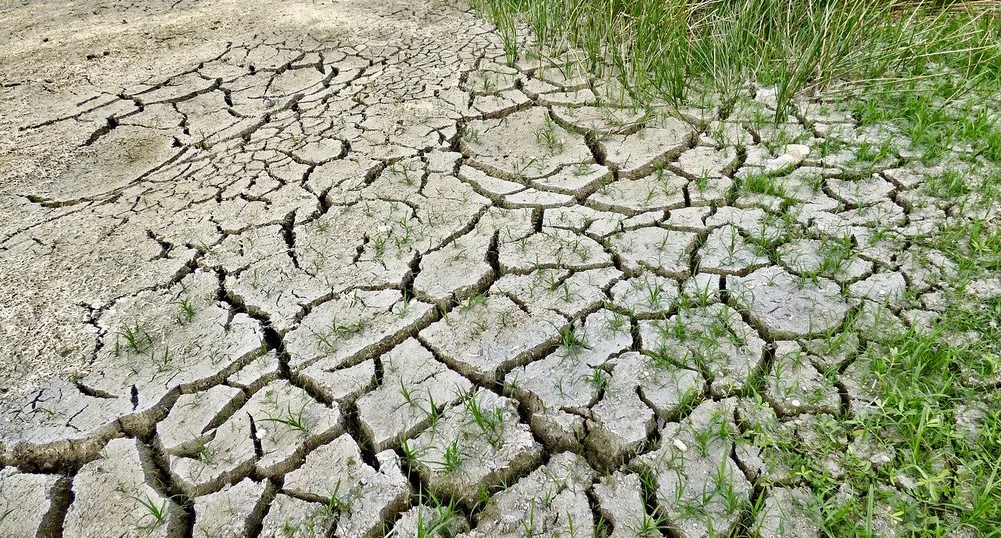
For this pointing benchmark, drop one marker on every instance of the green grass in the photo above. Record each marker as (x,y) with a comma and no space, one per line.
(762,184)
(685,51)
(946,480)
(938,114)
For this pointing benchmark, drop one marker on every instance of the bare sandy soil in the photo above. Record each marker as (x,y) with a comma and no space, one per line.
(59,61)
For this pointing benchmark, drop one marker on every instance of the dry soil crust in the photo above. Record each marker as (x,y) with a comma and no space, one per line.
(285,265)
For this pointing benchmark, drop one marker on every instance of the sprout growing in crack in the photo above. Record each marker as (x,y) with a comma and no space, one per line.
(571,342)
(475,300)
(403,170)
(432,412)
(452,458)
(153,518)
(702,183)
(408,395)
(617,323)
(136,338)
(649,526)
(762,184)
(338,331)
(522,164)
(654,291)
(204,454)
(404,305)
(528,523)
(580,169)
(163,364)
(468,134)
(295,421)
(490,423)
(187,311)
(565,293)
(546,136)
(336,503)
(599,380)
(439,524)
(410,454)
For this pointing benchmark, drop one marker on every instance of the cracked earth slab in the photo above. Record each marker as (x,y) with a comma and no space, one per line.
(340,269)
(699,487)
(476,444)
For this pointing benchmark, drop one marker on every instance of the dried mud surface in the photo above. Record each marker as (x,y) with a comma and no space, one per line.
(275,268)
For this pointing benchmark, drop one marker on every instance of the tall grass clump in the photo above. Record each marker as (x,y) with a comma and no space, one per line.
(672,49)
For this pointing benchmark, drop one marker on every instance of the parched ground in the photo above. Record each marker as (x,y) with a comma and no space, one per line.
(336,268)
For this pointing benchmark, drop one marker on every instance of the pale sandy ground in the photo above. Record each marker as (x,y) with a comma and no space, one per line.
(60,58)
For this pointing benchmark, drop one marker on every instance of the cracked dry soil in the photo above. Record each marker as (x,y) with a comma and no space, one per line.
(287,269)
